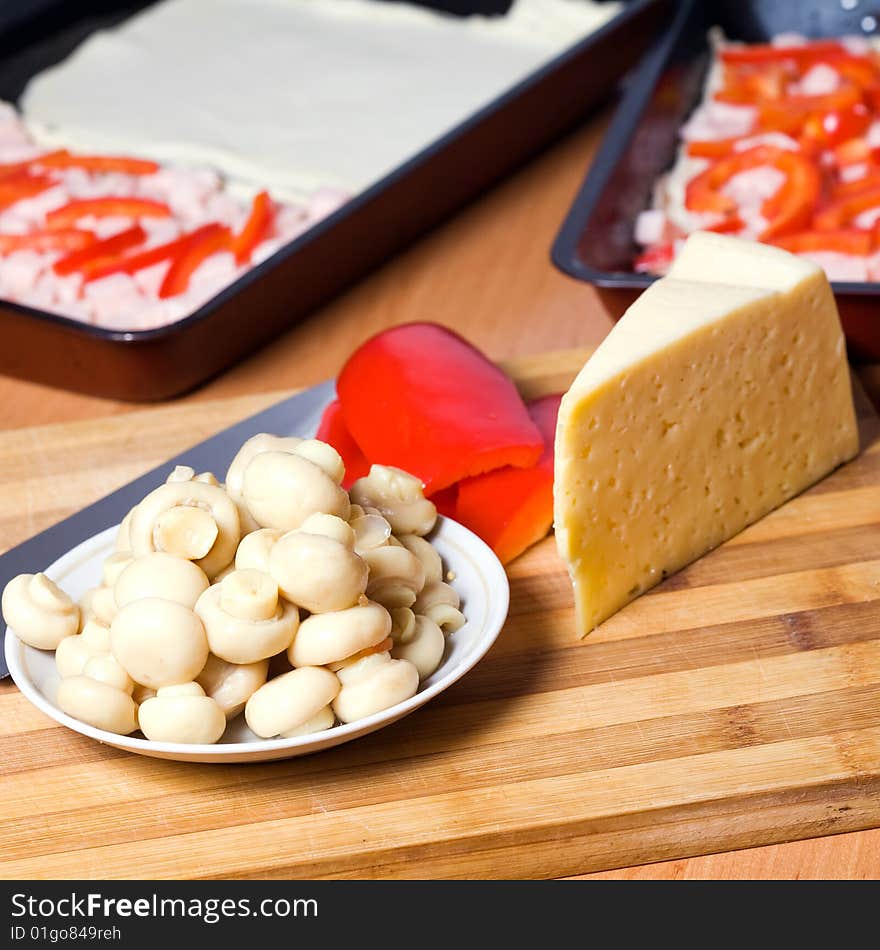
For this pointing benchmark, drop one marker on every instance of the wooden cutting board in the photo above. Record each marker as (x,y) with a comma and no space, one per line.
(737,704)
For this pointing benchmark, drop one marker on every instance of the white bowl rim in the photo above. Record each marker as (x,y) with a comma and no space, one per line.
(499,599)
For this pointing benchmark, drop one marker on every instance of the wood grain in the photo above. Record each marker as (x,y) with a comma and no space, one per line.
(737,704)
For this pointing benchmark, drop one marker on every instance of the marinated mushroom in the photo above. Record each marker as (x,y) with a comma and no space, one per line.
(182,713)
(231,685)
(328,637)
(324,456)
(99,603)
(371,530)
(440,603)
(38,611)
(427,554)
(316,572)
(72,654)
(193,520)
(160,575)
(281,490)
(373,683)
(98,704)
(245,619)
(253,549)
(323,719)
(290,701)
(424,648)
(396,576)
(159,642)
(114,565)
(330,527)
(185,473)
(403,624)
(255,445)
(398,497)
(123,535)
(105,668)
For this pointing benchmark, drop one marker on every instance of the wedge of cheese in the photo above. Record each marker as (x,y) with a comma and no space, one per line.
(722,392)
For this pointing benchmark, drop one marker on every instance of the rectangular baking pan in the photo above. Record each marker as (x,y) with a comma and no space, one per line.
(161,363)
(596,242)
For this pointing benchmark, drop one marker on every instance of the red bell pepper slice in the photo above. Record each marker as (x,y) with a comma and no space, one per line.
(256,228)
(840,213)
(421,398)
(17,168)
(843,241)
(17,187)
(868,182)
(70,213)
(656,259)
(66,239)
(445,500)
(135,262)
(790,113)
(767,53)
(788,210)
(332,429)
(201,244)
(712,148)
(839,125)
(512,508)
(100,251)
(98,163)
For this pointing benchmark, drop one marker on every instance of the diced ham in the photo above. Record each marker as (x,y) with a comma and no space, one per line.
(718,120)
(867,219)
(149,280)
(855,45)
(19,272)
(819,80)
(853,172)
(325,201)
(35,209)
(789,39)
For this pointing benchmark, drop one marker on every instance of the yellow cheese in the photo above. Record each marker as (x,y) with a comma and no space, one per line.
(708,405)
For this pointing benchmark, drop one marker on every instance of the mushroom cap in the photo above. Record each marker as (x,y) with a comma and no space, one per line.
(324,456)
(239,640)
(424,649)
(330,526)
(374,683)
(99,603)
(371,530)
(317,572)
(160,575)
(182,713)
(157,520)
(72,654)
(38,611)
(281,490)
(396,576)
(440,602)
(398,496)
(114,565)
(98,704)
(289,701)
(254,446)
(254,549)
(231,685)
(427,554)
(329,637)
(107,669)
(323,719)
(123,535)
(159,642)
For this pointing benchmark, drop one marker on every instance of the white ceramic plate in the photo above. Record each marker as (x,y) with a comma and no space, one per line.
(479,579)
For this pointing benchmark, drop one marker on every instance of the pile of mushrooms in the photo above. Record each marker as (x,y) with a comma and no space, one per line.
(278,595)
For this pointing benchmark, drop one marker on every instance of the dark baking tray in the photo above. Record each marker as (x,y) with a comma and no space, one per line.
(157,364)
(596,243)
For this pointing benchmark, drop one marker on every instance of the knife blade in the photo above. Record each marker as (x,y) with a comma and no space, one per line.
(296,415)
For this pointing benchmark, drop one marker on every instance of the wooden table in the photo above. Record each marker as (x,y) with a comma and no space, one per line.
(486,273)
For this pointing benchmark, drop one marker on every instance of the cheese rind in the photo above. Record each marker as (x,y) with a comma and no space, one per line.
(707,406)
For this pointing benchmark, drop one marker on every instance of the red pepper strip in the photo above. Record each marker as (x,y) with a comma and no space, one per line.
(840,213)
(101,251)
(61,240)
(99,163)
(15,168)
(791,113)
(843,241)
(788,210)
(332,430)
(656,259)
(839,125)
(717,148)
(17,189)
(135,262)
(512,508)
(868,182)
(421,398)
(107,207)
(255,229)
(749,88)
(767,53)
(202,243)
(727,226)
